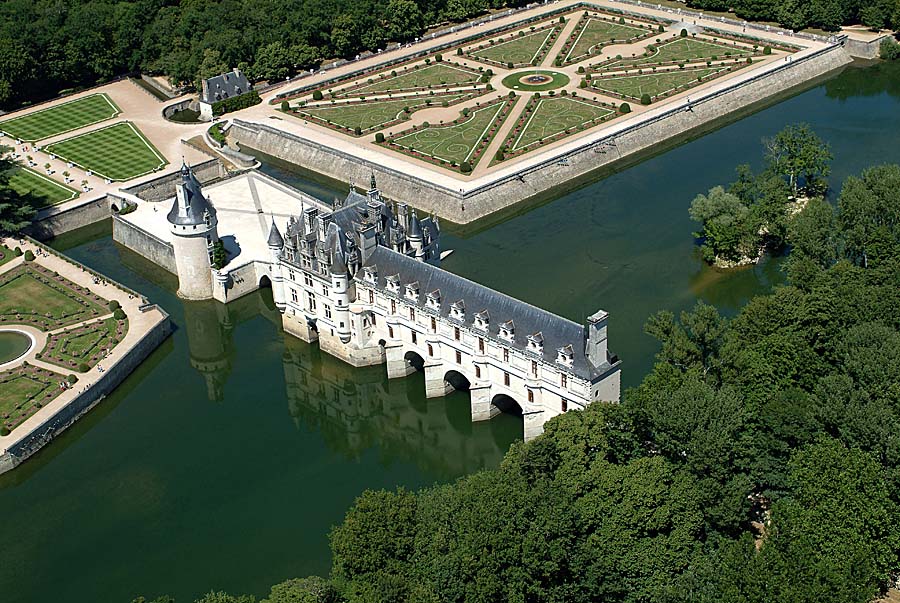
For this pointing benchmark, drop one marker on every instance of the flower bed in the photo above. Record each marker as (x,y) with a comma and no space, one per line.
(563,59)
(24,390)
(554,30)
(84,345)
(724,69)
(33,295)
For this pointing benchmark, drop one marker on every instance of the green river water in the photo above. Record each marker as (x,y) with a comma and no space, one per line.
(226,458)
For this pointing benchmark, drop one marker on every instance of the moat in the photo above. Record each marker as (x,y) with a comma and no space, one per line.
(224,460)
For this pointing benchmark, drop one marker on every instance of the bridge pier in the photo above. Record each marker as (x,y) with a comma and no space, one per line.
(482,409)
(397,365)
(435,385)
(534,423)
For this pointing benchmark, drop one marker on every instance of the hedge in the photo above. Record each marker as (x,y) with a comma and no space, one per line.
(236,103)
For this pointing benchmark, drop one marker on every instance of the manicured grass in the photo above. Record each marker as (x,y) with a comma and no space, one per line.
(7,254)
(456,142)
(687,49)
(654,84)
(85,343)
(61,118)
(515,49)
(24,180)
(372,113)
(32,296)
(554,115)
(513,81)
(118,152)
(24,390)
(434,75)
(597,31)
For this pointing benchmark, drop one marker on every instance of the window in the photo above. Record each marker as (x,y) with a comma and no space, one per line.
(564,405)
(506,379)
(393,307)
(373,320)
(433,324)
(294,295)
(391,332)
(563,380)
(327,311)
(412,314)
(456,333)
(458,357)
(412,336)
(307,280)
(534,368)
(371,296)
(430,350)
(342,324)
(291,275)
(325,291)
(477,372)
(530,396)
(505,355)
(481,344)
(312,302)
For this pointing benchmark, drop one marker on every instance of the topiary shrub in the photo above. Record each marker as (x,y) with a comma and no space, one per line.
(379,137)
(357,131)
(285,106)
(465,167)
(29,256)
(459,52)
(114,305)
(317,95)
(17,251)
(119,314)
(72,379)
(645,99)
(83,367)
(767,50)
(499,156)
(661,28)
(438,58)
(624,108)
(683,33)
(4,431)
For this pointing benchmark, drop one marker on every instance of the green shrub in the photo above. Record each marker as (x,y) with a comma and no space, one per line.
(215,132)
(114,305)
(285,106)
(645,99)
(83,367)
(581,69)
(465,167)
(767,50)
(683,33)
(236,103)
(379,137)
(4,431)
(621,20)
(29,256)
(509,65)
(72,379)
(317,95)
(119,314)
(17,251)
(889,50)
(357,131)
(459,52)
(661,29)
(438,58)
(499,156)
(624,108)
(218,256)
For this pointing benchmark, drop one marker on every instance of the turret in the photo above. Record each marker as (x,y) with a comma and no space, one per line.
(340,285)
(276,245)
(416,238)
(193,223)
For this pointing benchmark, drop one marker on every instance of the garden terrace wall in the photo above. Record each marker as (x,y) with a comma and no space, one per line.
(606,148)
(65,417)
(144,243)
(163,187)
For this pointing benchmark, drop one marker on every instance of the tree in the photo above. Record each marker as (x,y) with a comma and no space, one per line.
(870,215)
(16,210)
(303,590)
(273,62)
(211,65)
(797,154)
(403,20)
(724,221)
(344,37)
(223,597)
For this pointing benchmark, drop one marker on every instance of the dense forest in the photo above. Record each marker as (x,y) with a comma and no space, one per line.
(48,46)
(759,461)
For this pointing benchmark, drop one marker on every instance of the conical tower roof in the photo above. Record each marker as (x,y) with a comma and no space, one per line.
(275,238)
(190,206)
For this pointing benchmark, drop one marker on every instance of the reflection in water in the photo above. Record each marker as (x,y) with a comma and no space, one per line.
(353,409)
(881,78)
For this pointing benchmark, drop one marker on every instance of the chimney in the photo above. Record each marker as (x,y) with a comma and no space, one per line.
(596,348)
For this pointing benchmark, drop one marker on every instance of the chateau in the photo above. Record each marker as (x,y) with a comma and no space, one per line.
(363,279)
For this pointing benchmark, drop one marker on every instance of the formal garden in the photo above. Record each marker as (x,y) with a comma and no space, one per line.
(117,152)
(33,295)
(683,50)
(24,390)
(649,87)
(519,49)
(80,347)
(546,119)
(26,181)
(418,76)
(596,30)
(61,118)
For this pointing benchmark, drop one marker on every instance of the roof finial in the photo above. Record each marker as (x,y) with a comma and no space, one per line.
(372,183)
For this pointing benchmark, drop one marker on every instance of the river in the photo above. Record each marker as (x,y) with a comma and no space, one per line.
(224,460)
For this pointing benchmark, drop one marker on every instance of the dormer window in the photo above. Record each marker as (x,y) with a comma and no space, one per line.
(370,274)
(433,301)
(393,283)
(536,343)
(412,290)
(565,356)
(482,320)
(508,330)
(458,310)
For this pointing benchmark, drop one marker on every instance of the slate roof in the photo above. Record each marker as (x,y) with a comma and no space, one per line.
(195,206)
(226,85)
(557,332)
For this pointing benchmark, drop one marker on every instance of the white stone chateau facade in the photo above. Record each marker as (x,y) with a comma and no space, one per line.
(363,279)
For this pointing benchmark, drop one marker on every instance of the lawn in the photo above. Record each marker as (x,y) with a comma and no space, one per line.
(84,344)
(25,181)
(552,116)
(455,142)
(683,50)
(61,118)
(32,296)
(654,84)
(418,76)
(23,391)
(118,152)
(370,114)
(597,31)
(519,50)
(6,254)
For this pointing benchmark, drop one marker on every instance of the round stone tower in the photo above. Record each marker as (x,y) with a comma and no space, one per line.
(192,221)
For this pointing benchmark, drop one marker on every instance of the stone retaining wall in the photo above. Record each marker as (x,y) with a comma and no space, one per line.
(66,416)
(143,243)
(54,221)
(163,187)
(466,206)
(864,50)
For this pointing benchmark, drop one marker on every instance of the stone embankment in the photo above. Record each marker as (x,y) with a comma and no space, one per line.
(474,201)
